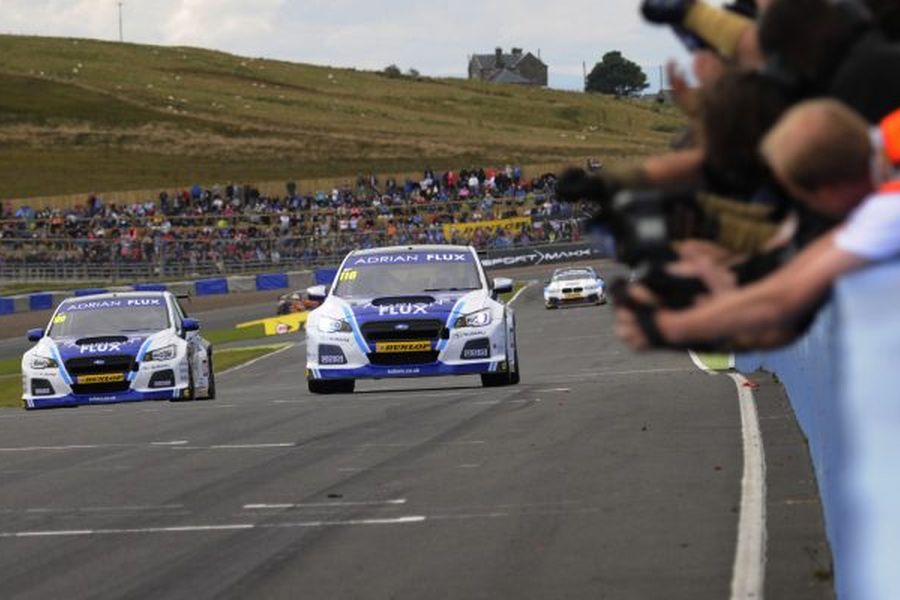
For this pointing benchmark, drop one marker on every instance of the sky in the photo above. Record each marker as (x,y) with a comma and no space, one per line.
(436,38)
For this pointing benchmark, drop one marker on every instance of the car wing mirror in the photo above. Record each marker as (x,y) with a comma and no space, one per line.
(35,335)
(503,285)
(189,325)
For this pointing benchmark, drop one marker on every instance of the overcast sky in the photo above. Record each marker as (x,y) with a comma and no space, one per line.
(433,37)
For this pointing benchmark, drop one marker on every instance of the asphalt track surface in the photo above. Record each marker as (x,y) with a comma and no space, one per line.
(603,475)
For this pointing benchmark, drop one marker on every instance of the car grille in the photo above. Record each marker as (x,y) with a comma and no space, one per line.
(403,358)
(416,329)
(101,388)
(111,364)
(574,290)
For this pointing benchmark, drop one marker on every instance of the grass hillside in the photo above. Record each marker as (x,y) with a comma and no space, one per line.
(81,115)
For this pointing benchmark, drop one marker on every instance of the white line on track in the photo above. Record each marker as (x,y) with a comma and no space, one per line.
(253,446)
(394,502)
(209,528)
(519,293)
(749,574)
(749,571)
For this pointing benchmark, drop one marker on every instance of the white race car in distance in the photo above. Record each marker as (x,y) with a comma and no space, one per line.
(411,311)
(574,285)
(119,347)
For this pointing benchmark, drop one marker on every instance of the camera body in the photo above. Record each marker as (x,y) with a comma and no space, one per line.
(640,224)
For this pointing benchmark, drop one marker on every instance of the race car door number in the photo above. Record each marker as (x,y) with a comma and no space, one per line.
(423,346)
(105,378)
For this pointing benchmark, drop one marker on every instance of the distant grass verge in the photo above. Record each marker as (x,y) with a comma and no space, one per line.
(516,287)
(224,336)
(716,362)
(234,357)
(10,391)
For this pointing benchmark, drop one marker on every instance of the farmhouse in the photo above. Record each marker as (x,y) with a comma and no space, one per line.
(518,68)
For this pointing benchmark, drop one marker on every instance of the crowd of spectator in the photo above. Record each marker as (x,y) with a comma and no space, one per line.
(238,224)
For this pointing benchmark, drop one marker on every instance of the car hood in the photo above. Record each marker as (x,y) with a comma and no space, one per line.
(418,306)
(101,345)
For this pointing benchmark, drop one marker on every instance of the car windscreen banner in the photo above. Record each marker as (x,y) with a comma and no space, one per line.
(409,258)
(547,255)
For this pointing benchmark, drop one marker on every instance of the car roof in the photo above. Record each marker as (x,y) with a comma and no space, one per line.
(422,248)
(573,270)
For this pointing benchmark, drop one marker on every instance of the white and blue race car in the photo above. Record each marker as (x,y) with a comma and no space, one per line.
(415,311)
(119,347)
(574,285)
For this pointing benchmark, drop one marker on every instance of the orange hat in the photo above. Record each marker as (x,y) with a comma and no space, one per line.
(890,133)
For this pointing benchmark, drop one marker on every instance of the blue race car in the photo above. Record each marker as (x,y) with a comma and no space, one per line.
(117,348)
(415,311)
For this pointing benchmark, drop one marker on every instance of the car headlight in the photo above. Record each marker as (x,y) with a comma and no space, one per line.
(164,353)
(42,362)
(476,319)
(329,325)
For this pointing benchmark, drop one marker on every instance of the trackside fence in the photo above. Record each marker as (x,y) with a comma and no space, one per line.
(843,379)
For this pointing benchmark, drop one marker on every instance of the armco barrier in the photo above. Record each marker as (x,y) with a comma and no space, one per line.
(271,281)
(211,287)
(90,291)
(7,306)
(41,301)
(150,287)
(844,383)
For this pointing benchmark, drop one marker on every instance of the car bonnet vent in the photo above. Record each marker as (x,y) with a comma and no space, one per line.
(392,300)
(102,339)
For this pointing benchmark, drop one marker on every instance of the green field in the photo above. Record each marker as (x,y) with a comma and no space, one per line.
(79,116)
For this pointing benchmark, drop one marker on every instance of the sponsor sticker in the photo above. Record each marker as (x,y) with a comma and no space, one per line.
(59,319)
(392,347)
(104,378)
(413,258)
(77,306)
(572,296)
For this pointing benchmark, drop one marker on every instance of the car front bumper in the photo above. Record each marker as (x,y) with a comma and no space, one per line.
(50,388)
(468,351)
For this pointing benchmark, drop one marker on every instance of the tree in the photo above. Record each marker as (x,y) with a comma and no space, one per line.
(617,75)
(393,71)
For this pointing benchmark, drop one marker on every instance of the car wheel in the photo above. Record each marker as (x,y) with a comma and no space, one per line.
(515,377)
(192,394)
(333,386)
(211,391)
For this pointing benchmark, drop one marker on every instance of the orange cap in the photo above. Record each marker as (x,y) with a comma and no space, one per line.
(890,132)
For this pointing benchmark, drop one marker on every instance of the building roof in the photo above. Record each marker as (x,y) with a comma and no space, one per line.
(507,76)
(510,61)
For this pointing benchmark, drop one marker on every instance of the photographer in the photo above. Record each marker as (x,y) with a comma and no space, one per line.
(822,152)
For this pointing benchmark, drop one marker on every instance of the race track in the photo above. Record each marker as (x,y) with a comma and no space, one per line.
(603,475)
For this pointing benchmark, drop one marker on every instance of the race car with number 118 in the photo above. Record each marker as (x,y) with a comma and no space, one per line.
(416,311)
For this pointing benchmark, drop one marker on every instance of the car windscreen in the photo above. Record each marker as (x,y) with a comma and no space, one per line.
(375,275)
(113,316)
(573,275)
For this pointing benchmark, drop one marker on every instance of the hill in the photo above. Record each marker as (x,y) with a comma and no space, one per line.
(79,115)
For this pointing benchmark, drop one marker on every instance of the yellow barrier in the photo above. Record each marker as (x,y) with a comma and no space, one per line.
(467,230)
(280,325)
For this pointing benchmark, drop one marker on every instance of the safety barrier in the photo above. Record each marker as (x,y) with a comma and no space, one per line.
(844,384)
(205,287)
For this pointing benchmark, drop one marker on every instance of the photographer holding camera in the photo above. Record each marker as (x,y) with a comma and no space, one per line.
(823,153)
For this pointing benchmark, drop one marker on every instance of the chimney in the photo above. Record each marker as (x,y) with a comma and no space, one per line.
(517,52)
(498,57)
